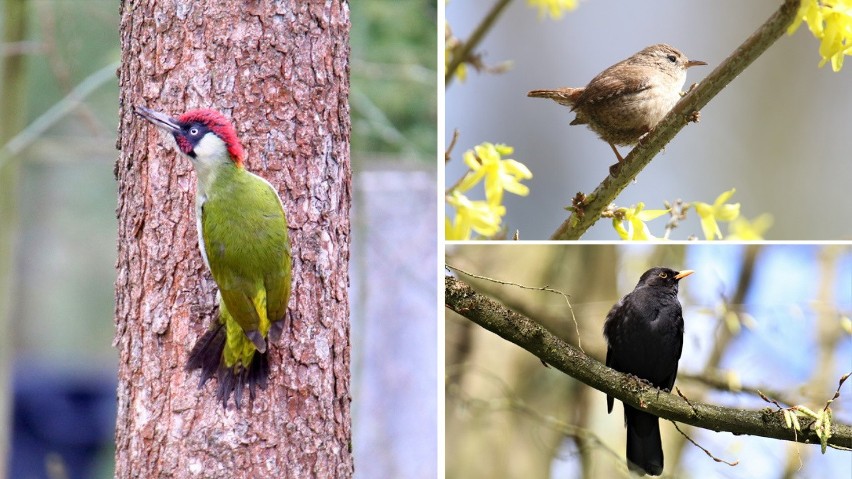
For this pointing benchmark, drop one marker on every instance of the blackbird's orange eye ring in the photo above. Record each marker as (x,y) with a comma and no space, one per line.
(664,275)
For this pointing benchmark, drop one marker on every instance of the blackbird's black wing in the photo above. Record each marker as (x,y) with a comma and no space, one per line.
(610,325)
(669,381)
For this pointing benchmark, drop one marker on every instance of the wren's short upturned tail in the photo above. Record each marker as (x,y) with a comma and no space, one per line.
(628,99)
(644,335)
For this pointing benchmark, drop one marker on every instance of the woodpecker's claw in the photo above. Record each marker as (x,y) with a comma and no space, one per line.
(258,340)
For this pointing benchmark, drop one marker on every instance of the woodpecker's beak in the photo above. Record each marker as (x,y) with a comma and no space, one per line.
(694,63)
(683,274)
(160,120)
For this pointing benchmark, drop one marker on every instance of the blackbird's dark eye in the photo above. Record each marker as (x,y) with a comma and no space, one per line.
(664,275)
(672,58)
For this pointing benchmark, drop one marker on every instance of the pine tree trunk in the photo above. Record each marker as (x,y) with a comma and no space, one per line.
(281,72)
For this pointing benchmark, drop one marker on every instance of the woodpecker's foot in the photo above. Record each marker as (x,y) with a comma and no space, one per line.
(257,339)
(275,331)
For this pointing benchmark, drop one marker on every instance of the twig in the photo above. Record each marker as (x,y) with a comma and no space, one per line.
(719,381)
(20,48)
(380,122)
(837,392)
(542,288)
(58,66)
(461,54)
(677,213)
(452,145)
(575,226)
(57,111)
(705,450)
(683,396)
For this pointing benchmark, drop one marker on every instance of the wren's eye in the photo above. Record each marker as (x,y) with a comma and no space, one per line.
(193,131)
(672,59)
(664,275)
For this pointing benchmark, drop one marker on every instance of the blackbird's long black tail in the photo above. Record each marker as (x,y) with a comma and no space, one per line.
(207,356)
(644,446)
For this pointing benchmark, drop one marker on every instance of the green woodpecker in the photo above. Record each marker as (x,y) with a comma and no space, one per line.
(243,237)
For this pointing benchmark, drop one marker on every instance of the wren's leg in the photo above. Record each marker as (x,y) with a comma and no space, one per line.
(613,170)
(617,154)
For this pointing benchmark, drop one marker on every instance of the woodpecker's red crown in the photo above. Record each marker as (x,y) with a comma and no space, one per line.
(218,124)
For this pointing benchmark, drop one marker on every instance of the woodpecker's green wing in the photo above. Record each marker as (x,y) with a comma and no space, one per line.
(247,247)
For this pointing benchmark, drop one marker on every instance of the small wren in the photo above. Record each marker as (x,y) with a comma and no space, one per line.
(628,99)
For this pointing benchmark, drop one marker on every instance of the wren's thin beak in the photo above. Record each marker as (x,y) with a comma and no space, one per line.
(694,63)
(683,274)
(160,120)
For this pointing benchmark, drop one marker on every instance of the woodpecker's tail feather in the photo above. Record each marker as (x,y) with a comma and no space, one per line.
(207,356)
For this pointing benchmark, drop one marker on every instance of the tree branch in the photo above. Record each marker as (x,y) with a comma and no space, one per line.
(580,221)
(526,333)
(461,54)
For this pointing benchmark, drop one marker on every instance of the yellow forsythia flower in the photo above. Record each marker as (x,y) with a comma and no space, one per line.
(635,217)
(742,229)
(553,8)
(718,211)
(485,161)
(831,22)
(479,216)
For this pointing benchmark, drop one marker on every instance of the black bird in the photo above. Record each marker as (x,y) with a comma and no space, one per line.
(644,335)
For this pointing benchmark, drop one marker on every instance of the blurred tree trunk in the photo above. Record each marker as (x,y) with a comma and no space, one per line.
(280,70)
(12,95)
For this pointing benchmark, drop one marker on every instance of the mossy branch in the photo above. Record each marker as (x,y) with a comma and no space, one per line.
(526,333)
(586,214)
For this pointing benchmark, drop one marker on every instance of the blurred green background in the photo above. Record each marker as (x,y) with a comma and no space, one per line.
(58,192)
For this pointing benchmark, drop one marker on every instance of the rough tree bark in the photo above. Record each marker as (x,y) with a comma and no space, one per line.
(280,70)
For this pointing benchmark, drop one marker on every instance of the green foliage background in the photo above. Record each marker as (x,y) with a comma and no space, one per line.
(394,79)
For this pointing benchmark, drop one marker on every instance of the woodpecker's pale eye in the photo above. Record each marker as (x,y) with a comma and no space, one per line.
(664,275)
(193,131)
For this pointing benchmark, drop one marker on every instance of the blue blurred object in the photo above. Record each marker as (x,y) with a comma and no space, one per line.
(62,421)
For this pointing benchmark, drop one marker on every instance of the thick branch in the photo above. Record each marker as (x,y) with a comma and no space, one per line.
(528,334)
(577,224)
